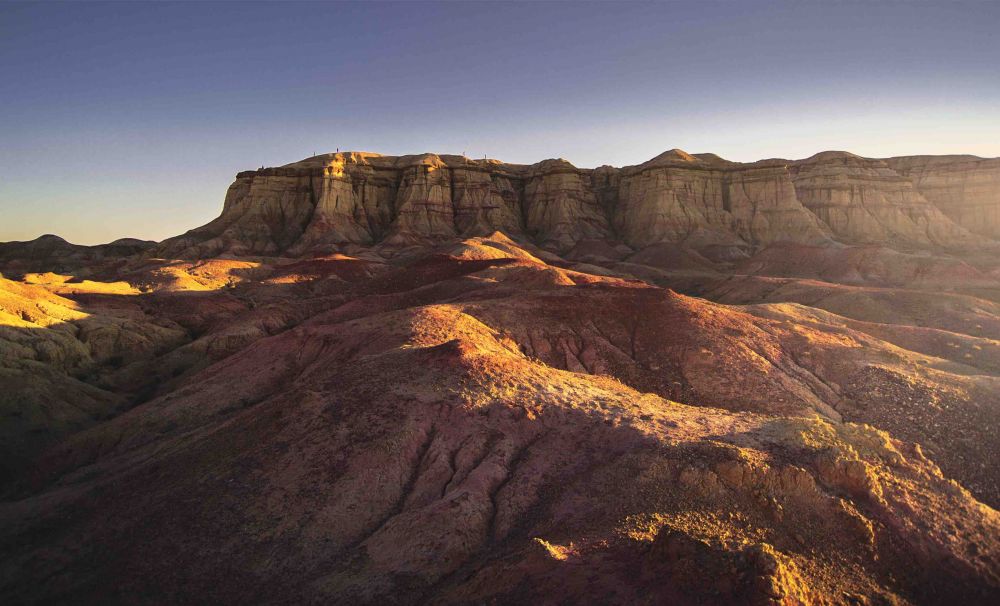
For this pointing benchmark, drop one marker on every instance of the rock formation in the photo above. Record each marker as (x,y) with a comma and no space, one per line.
(701,203)
(561,207)
(865,201)
(723,209)
(965,188)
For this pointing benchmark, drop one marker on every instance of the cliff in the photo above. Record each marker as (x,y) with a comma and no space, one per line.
(865,200)
(703,202)
(965,188)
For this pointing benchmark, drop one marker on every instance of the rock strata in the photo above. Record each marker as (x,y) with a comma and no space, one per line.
(965,188)
(865,201)
(723,209)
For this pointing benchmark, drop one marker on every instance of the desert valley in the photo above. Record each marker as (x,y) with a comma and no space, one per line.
(433,379)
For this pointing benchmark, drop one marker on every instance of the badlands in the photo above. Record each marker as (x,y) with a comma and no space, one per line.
(432,379)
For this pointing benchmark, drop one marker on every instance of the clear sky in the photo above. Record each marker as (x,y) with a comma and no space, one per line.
(132,119)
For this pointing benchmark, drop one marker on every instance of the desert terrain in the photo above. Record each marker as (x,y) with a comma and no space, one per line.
(431,379)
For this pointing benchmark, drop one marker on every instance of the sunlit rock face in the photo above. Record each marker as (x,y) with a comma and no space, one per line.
(561,207)
(340,214)
(702,202)
(864,200)
(423,203)
(669,199)
(485,201)
(965,188)
(707,201)
(764,207)
(263,214)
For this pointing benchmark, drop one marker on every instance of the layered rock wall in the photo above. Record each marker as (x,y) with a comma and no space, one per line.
(864,200)
(965,188)
(702,202)
(681,198)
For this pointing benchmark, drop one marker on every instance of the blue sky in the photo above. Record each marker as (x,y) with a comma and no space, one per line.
(132,119)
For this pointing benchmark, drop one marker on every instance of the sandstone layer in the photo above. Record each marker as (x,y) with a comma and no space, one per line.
(965,188)
(864,200)
(723,209)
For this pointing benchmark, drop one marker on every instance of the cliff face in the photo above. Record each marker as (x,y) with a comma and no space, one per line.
(965,188)
(676,197)
(702,202)
(561,207)
(864,200)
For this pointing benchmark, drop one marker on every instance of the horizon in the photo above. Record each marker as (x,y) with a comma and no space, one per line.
(150,113)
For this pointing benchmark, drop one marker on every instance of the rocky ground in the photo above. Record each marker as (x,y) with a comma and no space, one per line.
(342,406)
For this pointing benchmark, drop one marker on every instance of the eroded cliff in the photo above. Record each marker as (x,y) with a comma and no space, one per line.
(965,188)
(724,209)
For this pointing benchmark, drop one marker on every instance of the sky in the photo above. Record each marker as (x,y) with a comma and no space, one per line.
(132,119)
